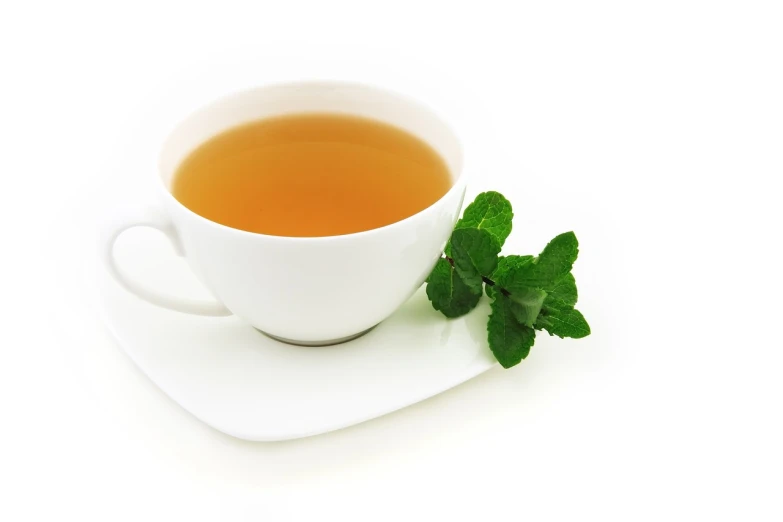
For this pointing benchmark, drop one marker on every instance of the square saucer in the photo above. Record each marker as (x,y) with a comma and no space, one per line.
(245,384)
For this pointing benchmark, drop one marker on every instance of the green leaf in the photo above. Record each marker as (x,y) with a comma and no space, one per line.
(526,304)
(475,254)
(490,211)
(509,341)
(559,255)
(508,264)
(448,292)
(549,267)
(563,292)
(564,323)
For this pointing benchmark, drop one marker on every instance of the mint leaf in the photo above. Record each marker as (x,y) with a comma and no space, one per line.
(554,262)
(490,211)
(563,293)
(559,255)
(509,341)
(564,323)
(507,264)
(475,253)
(448,293)
(526,304)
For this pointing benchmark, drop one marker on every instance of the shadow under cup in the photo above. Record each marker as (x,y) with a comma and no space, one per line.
(320,290)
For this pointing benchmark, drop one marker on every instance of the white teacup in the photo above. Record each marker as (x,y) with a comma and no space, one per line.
(313,291)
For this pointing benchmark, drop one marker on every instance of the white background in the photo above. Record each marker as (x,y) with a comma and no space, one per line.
(653,129)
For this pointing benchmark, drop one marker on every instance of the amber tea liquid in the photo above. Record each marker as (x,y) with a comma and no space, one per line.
(309,175)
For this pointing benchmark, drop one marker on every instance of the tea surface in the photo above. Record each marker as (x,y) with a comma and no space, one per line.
(309,175)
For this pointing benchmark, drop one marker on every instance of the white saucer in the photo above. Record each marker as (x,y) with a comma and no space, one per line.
(241,382)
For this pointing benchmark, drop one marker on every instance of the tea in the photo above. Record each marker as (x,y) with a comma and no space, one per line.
(311,175)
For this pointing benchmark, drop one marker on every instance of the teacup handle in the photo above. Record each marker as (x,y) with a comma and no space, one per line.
(159,220)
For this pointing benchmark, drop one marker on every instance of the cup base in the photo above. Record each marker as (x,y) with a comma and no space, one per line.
(317,343)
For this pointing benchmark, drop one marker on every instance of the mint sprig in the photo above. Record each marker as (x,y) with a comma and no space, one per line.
(528,293)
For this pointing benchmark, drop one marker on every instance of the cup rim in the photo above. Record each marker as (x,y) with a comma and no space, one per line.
(458,184)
